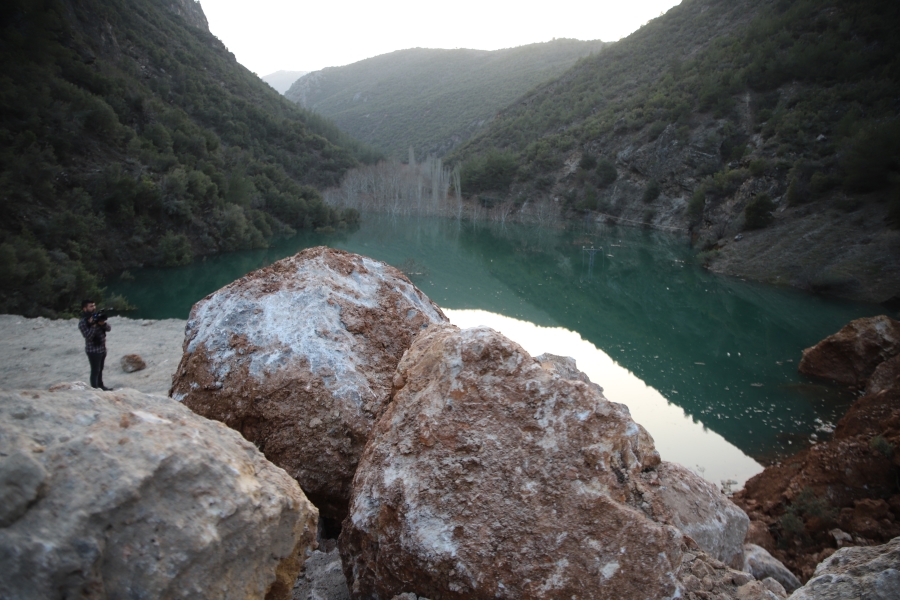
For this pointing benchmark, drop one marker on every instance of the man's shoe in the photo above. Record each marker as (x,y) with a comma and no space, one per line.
(106,389)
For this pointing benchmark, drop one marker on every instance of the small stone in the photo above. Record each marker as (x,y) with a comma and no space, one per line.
(132,363)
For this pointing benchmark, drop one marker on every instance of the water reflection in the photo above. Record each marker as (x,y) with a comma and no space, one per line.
(722,350)
(677,437)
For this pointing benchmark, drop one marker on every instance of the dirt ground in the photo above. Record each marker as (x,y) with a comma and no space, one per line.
(37,353)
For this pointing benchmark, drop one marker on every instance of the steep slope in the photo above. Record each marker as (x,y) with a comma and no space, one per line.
(130,135)
(283,80)
(766,128)
(431,99)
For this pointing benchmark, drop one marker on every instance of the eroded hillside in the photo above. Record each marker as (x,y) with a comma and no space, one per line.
(768,130)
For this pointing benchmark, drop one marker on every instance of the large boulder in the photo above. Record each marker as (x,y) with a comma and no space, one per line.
(851,355)
(299,358)
(871,572)
(124,495)
(885,376)
(700,510)
(491,476)
(759,563)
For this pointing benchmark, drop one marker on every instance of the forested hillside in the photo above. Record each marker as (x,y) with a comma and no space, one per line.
(131,136)
(431,99)
(767,128)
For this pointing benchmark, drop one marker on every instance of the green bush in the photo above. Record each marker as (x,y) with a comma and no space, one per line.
(696,205)
(871,157)
(175,250)
(882,446)
(588,161)
(758,212)
(494,171)
(759,167)
(651,192)
(606,172)
(589,202)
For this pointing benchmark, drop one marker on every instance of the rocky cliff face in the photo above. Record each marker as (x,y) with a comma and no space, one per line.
(299,357)
(191,12)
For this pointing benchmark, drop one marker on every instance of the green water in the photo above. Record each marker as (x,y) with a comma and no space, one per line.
(722,349)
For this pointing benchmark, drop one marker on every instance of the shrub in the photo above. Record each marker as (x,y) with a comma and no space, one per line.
(759,167)
(175,250)
(588,161)
(696,205)
(795,194)
(656,129)
(758,212)
(871,157)
(606,172)
(493,171)
(882,446)
(651,192)
(589,202)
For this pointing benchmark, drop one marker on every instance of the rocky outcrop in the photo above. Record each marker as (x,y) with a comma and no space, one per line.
(886,376)
(299,357)
(851,355)
(490,476)
(851,573)
(759,563)
(190,11)
(565,367)
(699,510)
(842,491)
(124,495)
(322,578)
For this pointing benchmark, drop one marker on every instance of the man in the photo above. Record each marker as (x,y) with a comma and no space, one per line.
(94,332)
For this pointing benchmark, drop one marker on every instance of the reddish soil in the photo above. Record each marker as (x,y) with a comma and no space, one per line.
(850,483)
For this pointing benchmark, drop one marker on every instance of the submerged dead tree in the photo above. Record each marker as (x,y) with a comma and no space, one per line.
(430,189)
(400,189)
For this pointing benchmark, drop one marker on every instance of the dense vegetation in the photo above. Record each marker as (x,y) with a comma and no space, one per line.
(431,99)
(817,81)
(129,137)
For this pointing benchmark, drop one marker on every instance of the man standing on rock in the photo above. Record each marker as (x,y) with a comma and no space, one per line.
(94,332)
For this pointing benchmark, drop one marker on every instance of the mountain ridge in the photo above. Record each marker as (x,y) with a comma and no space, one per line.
(132,136)
(753,125)
(430,99)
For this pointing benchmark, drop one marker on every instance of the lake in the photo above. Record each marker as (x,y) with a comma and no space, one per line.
(708,364)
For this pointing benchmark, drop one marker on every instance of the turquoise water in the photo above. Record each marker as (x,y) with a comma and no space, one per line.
(722,349)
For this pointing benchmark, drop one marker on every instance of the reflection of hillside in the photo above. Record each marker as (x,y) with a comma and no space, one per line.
(710,345)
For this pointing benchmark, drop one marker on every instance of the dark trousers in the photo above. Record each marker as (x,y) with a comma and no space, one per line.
(96,359)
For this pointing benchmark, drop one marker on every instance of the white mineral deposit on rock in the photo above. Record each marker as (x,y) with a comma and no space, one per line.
(299,357)
(492,476)
(125,495)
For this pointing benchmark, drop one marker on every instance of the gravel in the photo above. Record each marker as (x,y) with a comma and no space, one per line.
(38,353)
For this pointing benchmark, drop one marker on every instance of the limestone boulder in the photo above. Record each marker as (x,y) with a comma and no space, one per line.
(759,563)
(124,495)
(851,355)
(491,476)
(698,509)
(858,572)
(299,358)
(565,367)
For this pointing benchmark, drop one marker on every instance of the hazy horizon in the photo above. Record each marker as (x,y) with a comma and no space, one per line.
(276,35)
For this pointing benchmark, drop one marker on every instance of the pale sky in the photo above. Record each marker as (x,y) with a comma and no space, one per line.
(291,35)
